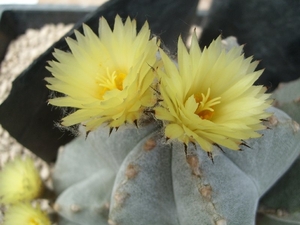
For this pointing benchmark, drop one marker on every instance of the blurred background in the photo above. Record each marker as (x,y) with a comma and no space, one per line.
(204,4)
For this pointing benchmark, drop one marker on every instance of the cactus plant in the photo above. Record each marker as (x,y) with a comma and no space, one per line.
(281,204)
(133,177)
(287,98)
(100,168)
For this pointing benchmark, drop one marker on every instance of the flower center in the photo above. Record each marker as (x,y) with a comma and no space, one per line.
(205,110)
(110,80)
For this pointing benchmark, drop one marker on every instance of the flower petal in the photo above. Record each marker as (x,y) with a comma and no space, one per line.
(210,98)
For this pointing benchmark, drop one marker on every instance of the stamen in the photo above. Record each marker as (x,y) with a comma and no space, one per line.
(205,110)
(109,81)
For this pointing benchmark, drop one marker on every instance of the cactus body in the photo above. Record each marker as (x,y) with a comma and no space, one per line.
(281,204)
(287,98)
(138,178)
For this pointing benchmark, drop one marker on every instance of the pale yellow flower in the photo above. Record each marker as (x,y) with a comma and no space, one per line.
(107,78)
(19,181)
(25,214)
(209,98)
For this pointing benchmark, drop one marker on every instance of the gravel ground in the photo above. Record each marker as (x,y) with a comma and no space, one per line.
(20,54)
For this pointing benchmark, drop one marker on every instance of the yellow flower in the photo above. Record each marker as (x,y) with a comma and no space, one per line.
(107,78)
(210,98)
(19,181)
(25,214)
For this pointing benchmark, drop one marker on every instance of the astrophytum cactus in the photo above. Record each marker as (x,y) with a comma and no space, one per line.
(165,142)
(133,177)
(281,204)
